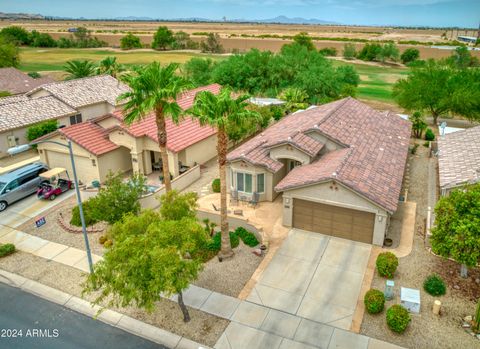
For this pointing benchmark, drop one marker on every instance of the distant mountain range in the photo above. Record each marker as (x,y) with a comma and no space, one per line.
(279,19)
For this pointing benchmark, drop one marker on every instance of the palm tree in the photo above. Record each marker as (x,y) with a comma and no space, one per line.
(223,113)
(155,88)
(295,99)
(110,66)
(77,69)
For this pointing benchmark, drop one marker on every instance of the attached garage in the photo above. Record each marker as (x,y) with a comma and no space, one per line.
(86,171)
(333,220)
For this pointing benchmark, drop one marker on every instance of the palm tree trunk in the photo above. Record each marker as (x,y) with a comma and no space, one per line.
(162,142)
(183,308)
(222,144)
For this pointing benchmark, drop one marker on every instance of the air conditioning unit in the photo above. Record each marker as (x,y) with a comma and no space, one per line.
(12,141)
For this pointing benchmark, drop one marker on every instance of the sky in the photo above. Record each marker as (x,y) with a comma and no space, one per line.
(436,13)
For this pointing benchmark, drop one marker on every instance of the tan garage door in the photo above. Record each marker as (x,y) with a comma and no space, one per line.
(86,172)
(333,220)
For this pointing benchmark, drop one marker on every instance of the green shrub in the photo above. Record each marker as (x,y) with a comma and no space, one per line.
(6,249)
(87,214)
(328,51)
(102,239)
(434,285)
(429,135)
(374,301)
(247,237)
(387,264)
(41,129)
(398,318)
(216,242)
(108,243)
(216,185)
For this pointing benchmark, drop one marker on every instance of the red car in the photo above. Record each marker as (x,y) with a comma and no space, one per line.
(53,185)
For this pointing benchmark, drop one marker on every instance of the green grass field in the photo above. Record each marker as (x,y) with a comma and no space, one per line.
(376,81)
(38,59)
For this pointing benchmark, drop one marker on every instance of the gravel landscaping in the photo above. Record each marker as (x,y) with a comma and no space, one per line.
(427,330)
(203,328)
(52,231)
(230,276)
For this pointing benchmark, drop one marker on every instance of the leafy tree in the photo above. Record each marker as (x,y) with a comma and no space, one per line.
(456,233)
(175,206)
(349,51)
(199,71)
(295,99)
(42,40)
(389,51)
(328,51)
(162,39)
(212,44)
(305,40)
(150,257)
(465,98)
(118,198)
(410,55)
(182,41)
(110,66)
(154,89)
(77,69)
(9,54)
(418,124)
(370,52)
(41,129)
(223,113)
(130,41)
(16,34)
(462,58)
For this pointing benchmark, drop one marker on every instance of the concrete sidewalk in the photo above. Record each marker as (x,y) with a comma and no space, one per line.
(108,316)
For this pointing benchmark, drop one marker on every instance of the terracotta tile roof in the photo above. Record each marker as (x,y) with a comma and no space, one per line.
(30,111)
(187,132)
(377,143)
(15,81)
(459,157)
(90,136)
(303,142)
(81,92)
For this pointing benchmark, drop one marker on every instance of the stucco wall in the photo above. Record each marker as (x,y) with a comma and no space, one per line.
(241,166)
(329,145)
(288,152)
(108,122)
(200,152)
(20,135)
(95,110)
(118,160)
(343,197)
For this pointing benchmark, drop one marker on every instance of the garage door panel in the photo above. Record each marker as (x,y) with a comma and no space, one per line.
(333,220)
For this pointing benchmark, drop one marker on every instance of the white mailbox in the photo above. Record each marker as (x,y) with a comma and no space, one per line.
(410,299)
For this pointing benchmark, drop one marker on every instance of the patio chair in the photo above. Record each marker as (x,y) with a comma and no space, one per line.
(234,197)
(254,199)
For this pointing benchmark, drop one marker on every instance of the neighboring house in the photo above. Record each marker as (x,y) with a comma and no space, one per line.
(69,102)
(459,159)
(16,82)
(339,168)
(107,143)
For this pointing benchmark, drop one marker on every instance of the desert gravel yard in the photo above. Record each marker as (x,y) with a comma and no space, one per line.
(203,328)
(427,330)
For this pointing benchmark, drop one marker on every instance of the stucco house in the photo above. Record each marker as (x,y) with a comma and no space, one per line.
(339,168)
(459,159)
(69,102)
(106,143)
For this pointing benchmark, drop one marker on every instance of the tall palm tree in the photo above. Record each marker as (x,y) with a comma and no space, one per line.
(110,66)
(155,88)
(77,69)
(223,113)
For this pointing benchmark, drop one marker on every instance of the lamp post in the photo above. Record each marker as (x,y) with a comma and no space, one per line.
(22,148)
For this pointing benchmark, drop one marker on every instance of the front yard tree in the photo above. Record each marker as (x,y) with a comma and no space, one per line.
(150,257)
(456,233)
(155,88)
(223,113)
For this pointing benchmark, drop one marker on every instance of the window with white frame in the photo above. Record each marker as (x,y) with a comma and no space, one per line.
(244,182)
(260,183)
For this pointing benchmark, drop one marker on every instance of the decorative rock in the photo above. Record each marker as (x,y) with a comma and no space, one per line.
(477,280)
(257,252)
(456,287)
(466,325)
(468,318)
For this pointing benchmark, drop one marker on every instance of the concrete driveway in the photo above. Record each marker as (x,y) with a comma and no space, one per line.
(314,276)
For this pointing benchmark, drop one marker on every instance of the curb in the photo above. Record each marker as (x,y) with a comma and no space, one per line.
(110,317)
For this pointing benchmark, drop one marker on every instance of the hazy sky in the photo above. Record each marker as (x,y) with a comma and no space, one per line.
(462,13)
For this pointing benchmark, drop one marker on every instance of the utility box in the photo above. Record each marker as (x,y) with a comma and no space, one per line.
(410,299)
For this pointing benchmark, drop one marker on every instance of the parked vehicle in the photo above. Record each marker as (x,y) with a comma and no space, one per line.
(53,184)
(20,183)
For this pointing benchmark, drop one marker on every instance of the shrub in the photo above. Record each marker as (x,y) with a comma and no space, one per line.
(349,51)
(87,213)
(216,185)
(247,237)
(398,318)
(429,135)
(6,249)
(434,285)
(387,264)
(41,129)
(413,149)
(108,243)
(410,55)
(130,41)
(328,51)
(102,239)
(374,301)
(34,75)
(216,242)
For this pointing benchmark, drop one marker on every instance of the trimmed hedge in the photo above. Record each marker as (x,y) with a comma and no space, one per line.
(387,264)
(247,237)
(89,220)
(374,301)
(216,185)
(434,285)
(398,318)
(429,135)
(6,249)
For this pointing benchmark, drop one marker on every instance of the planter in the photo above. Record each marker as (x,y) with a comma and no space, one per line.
(388,242)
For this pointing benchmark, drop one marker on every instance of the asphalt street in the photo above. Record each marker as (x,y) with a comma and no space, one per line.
(29,322)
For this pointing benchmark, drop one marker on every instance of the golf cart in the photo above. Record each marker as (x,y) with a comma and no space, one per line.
(54,183)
